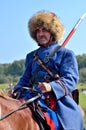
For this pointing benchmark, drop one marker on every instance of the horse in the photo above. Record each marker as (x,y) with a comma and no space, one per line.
(19,117)
(19,120)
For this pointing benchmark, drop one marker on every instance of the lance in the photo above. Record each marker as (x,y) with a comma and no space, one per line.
(73,30)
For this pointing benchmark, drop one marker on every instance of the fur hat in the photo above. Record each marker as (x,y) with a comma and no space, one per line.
(48,20)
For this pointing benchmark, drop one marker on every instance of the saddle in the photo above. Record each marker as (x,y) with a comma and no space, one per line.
(39,117)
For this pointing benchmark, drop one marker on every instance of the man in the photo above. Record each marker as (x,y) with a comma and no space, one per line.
(47,30)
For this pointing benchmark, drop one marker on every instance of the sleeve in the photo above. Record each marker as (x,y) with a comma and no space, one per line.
(24,80)
(69,75)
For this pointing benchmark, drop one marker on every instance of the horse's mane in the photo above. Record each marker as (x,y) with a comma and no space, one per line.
(5,96)
(2,94)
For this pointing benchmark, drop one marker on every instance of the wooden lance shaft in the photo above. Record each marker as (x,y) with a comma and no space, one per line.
(73,30)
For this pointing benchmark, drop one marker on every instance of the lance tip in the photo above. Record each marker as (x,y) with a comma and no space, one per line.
(83,16)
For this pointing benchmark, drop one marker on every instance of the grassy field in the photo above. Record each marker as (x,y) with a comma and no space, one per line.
(82,97)
(82,100)
(3,86)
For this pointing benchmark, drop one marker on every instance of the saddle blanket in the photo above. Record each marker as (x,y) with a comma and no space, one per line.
(51,117)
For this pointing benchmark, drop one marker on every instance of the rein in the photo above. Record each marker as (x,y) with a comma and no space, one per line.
(23,106)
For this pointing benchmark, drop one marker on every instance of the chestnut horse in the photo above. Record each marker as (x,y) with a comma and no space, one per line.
(19,120)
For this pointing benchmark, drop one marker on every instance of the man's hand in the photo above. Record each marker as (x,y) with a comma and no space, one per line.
(12,94)
(44,87)
(15,92)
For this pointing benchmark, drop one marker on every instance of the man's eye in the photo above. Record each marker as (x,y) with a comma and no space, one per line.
(37,30)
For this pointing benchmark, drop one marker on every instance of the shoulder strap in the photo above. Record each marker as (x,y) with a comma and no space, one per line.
(43,65)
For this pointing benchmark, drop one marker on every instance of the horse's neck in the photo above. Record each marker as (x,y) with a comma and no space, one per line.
(22,119)
(8,102)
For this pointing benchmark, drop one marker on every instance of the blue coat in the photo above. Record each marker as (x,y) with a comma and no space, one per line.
(63,63)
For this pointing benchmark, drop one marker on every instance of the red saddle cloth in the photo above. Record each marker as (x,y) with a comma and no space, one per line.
(50,121)
(50,116)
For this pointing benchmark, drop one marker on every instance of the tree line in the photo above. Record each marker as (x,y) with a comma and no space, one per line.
(11,72)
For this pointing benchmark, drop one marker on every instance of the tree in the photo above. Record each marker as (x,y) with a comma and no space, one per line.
(16,68)
(82,75)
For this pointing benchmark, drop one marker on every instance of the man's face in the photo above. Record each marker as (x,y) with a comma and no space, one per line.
(43,36)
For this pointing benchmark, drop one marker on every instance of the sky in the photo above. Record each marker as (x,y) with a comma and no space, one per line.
(15,41)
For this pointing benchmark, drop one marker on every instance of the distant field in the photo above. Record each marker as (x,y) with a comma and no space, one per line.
(82,100)
(82,97)
(3,86)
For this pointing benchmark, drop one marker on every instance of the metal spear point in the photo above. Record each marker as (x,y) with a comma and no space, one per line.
(73,30)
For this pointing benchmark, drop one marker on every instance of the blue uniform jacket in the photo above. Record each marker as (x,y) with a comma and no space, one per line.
(63,63)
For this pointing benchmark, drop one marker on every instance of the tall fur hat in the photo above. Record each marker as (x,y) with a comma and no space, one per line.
(48,20)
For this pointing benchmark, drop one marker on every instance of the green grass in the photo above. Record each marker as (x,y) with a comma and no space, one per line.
(82,100)
(3,86)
